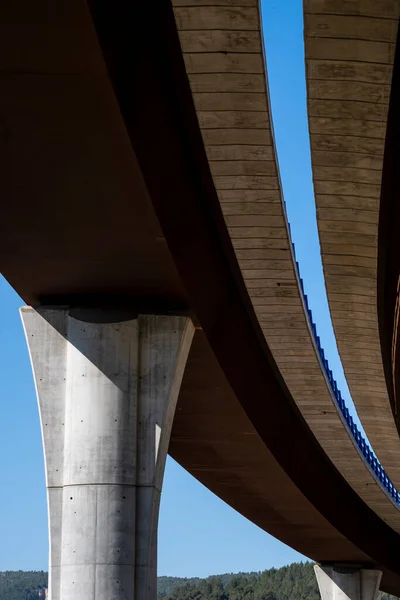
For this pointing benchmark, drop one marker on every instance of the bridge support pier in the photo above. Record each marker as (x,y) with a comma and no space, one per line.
(107,390)
(347,583)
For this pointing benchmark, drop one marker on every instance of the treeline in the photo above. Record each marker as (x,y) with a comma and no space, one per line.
(22,585)
(294,582)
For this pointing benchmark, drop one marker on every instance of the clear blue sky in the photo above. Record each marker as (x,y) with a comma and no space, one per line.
(199,535)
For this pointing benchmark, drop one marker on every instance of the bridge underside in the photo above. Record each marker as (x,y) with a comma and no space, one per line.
(108,202)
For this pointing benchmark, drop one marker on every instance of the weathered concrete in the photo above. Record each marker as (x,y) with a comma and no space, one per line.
(347,583)
(107,394)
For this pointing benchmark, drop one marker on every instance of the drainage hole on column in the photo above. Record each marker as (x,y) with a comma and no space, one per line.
(81,420)
(71,498)
(123,497)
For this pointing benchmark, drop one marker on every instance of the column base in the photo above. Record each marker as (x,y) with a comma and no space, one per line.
(337,582)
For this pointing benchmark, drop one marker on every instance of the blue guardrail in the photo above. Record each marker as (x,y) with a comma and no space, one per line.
(363,446)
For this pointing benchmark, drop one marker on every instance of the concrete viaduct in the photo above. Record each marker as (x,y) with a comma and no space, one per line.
(144,226)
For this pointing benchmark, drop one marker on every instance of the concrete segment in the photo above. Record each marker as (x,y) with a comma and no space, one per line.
(349,47)
(107,394)
(234,131)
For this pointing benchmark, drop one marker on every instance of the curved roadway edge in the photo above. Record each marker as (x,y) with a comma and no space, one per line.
(147,74)
(224,60)
(105,248)
(226,454)
(349,57)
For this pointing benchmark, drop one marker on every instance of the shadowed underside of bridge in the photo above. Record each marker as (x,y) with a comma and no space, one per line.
(388,246)
(223,53)
(108,200)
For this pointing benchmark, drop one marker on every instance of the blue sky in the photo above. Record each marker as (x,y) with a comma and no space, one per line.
(198,534)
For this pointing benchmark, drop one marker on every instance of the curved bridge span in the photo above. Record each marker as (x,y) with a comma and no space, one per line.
(143,221)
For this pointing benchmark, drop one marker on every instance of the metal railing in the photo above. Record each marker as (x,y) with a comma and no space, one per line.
(359,439)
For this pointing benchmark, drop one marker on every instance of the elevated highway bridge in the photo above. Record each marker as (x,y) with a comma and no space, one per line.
(144,224)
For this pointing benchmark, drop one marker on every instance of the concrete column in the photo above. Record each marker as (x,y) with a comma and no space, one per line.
(347,583)
(107,394)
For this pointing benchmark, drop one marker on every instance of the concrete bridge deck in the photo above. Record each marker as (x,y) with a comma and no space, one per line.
(223,52)
(111,203)
(350,50)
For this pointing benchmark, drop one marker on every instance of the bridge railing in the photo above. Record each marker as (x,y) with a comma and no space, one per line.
(359,439)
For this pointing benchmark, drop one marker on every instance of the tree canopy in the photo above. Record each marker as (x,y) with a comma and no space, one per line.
(293,582)
(22,585)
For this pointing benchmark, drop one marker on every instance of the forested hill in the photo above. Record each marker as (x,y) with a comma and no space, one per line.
(22,585)
(294,582)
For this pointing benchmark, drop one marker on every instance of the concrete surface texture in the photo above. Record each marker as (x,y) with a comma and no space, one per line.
(107,394)
(236,428)
(347,583)
(224,57)
(350,50)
